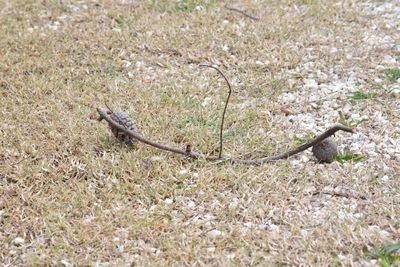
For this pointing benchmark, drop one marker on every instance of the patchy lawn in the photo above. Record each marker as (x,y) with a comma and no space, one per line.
(71,194)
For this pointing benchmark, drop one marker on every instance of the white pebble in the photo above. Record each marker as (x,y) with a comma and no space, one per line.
(303,232)
(389,60)
(309,189)
(288,97)
(396,93)
(370,146)
(65,263)
(127,63)
(347,108)
(273,227)
(310,84)
(206,101)
(214,233)
(183,171)
(225,47)
(304,158)
(294,162)
(138,64)
(385,178)
(248,224)
(168,201)
(19,241)
(191,204)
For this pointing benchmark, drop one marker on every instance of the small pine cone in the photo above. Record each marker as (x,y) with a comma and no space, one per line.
(124,120)
(325,151)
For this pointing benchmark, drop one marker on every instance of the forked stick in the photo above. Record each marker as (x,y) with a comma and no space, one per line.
(331,131)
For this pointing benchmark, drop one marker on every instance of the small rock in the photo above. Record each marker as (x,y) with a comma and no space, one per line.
(168,201)
(310,84)
(310,189)
(225,47)
(388,60)
(295,162)
(19,241)
(304,158)
(248,224)
(183,172)
(138,64)
(288,97)
(66,263)
(191,204)
(347,108)
(272,227)
(214,233)
(303,232)
(206,101)
(385,178)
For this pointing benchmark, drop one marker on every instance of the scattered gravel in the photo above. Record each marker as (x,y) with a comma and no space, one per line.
(324,196)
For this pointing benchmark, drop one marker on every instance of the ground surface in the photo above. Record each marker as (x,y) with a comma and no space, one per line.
(71,194)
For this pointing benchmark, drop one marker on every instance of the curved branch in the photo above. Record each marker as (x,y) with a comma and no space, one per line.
(226,105)
(189,153)
(315,141)
(242,12)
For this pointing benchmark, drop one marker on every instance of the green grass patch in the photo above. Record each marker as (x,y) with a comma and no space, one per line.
(392,75)
(387,256)
(343,157)
(351,123)
(358,95)
(301,141)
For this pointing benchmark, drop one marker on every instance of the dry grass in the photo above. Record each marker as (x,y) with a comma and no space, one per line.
(72,195)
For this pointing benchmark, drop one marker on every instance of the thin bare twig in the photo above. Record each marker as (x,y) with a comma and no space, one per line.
(189,153)
(105,103)
(18,162)
(242,12)
(226,105)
